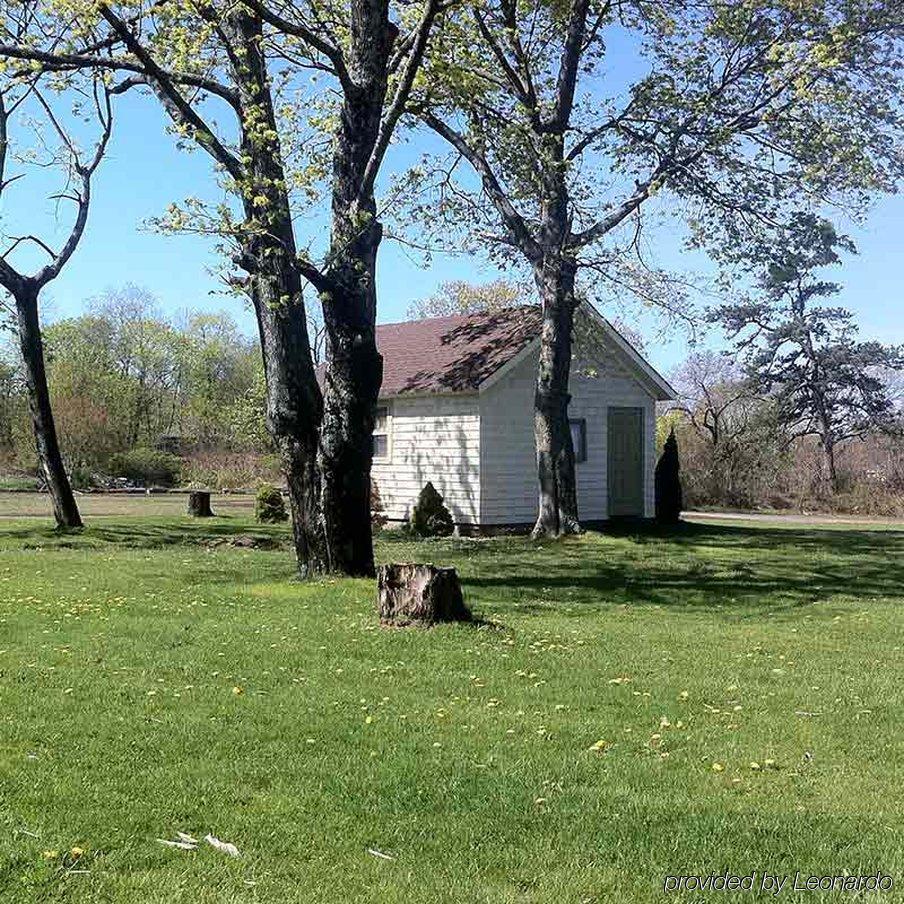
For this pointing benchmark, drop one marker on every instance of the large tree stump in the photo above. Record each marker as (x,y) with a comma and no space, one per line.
(199,504)
(409,594)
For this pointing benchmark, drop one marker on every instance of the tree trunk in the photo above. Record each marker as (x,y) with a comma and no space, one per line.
(354,368)
(558,503)
(354,372)
(294,402)
(270,258)
(65,509)
(828,444)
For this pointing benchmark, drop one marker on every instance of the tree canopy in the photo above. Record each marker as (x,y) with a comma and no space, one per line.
(806,355)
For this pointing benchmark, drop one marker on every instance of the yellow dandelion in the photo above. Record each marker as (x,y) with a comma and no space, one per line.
(50,855)
(718,767)
(76,852)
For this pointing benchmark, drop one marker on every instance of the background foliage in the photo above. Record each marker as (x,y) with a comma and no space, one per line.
(131,386)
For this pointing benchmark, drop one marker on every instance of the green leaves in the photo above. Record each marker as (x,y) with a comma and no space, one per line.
(805,355)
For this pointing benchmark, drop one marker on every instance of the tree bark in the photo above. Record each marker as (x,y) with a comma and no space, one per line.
(558,503)
(354,372)
(828,444)
(293,398)
(269,256)
(65,510)
(409,594)
(199,504)
(354,368)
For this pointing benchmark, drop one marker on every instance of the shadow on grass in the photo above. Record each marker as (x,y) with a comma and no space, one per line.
(145,533)
(744,569)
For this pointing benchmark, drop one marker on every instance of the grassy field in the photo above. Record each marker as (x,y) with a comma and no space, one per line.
(93,505)
(632,706)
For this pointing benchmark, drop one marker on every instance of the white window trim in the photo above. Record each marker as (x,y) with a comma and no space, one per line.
(387,432)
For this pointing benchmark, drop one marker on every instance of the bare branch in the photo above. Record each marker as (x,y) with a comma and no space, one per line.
(400,99)
(310,37)
(66,62)
(513,220)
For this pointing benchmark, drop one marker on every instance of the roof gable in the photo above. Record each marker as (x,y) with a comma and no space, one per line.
(466,353)
(642,370)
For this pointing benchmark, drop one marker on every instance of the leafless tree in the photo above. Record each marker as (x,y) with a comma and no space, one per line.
(58,149)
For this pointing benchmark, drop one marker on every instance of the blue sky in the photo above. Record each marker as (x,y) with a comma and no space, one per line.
(144,172)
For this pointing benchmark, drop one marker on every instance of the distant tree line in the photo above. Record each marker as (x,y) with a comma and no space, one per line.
(123,377)
(736,452)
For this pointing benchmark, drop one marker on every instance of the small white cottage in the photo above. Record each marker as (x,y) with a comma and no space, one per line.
(456,408)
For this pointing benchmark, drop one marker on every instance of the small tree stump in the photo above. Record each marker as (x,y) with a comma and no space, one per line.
(199,504)
(409,594)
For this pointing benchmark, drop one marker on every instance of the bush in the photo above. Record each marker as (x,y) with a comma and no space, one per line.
(19,483)
(228,470)
(269,506)
(377,510)
(146,467)
(430,517)
(82,478)
(669,500)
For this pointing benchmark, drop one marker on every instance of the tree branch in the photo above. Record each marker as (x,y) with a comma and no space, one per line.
(523,91)
(177,106)
(513,220)
(568,67)
(63,62)
(85,173)
(400,99)
(311,38)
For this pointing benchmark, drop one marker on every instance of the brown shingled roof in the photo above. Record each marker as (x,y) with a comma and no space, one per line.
(452,354)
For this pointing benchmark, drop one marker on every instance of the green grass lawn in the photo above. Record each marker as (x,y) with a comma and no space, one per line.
(594,734)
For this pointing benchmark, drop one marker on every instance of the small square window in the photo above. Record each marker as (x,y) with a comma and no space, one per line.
(579,438)
(381,433)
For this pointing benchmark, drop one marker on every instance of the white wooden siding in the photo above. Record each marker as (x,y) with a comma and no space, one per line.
(508,491)
(435,438)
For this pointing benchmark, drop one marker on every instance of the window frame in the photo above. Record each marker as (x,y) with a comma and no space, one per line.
(386,431)
(580,450)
